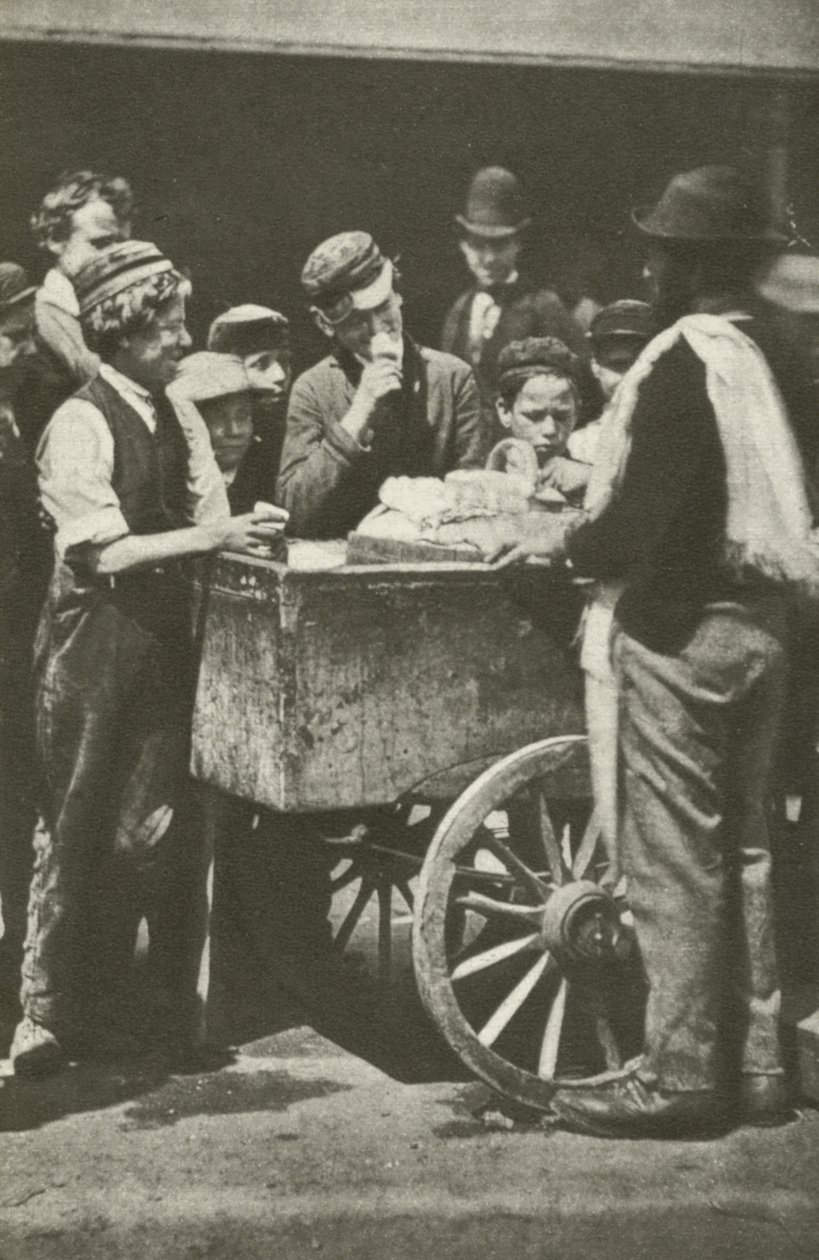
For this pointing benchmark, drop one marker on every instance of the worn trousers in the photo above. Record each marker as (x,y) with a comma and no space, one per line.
(699,735)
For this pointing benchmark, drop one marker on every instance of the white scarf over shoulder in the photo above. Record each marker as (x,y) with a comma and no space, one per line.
(770,518)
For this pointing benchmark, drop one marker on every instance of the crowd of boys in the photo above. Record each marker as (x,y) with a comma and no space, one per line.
(124,454)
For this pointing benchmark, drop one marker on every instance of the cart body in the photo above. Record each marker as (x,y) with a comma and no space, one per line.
(353,686)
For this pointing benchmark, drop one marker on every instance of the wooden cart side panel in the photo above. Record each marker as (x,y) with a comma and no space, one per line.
(396,682)
(244,688)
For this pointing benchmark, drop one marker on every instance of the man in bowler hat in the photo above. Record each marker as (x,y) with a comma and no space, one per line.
(379,405)
(703,509)
(502,304)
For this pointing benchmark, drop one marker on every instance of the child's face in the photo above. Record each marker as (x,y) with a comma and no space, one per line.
(543,414)
(16,338)
(230,425)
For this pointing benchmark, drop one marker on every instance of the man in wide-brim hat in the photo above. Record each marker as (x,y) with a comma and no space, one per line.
(502,304)
(379,405)
(132,489)
(700,506)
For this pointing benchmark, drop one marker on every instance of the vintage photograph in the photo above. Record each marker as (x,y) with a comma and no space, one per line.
(409,630)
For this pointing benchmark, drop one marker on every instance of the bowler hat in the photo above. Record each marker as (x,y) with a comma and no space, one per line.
(14,286)
(347,272)
(711,203)
(494,205)
(792,282)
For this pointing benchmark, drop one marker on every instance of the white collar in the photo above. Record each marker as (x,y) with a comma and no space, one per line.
(123,384)
(59,291)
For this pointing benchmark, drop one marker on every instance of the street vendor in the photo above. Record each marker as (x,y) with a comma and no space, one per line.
(132,490)
(703,511)
(503,304)
(377,406)
(24,567)
(260,337)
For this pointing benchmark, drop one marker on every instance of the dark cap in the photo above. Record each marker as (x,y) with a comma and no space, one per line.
(15,289)
(711,203)
(249,329)
(626,318)
(347,272)
(494,205)
(792,282)
(116,268)
(522,359)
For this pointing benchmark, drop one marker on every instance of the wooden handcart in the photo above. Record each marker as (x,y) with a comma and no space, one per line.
(441,705)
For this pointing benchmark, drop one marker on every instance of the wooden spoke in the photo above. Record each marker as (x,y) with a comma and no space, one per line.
(512,1003)
(491,909)
(608,1042)
(354,914)
(513,863)
(551,844)
(406,894)
(489,957)
(551,1036)
(588,844)
(384,931)
(472,874)
(352,873)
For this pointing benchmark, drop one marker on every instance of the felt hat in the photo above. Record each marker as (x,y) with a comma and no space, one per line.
(116,268)
(711,203)
(626,318)
(15,289)
(494,205)
(347,272)
(249,329)
(532,355)
(206,375)
(792,282)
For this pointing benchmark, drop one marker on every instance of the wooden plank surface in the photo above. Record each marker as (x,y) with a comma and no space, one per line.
(353,686)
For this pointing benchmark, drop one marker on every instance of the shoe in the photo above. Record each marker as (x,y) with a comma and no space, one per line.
(35,1051)
(765,1101)
(624,1106)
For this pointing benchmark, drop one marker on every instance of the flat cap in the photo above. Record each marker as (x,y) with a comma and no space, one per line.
(249,329)
(792,282)
(206,375)
(116,268)
(626,318)
(537,354)
(347,272)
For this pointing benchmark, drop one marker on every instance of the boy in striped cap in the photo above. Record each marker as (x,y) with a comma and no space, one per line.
(133,490)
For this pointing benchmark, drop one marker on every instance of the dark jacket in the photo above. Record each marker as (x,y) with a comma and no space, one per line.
(525,311)
(328,482)
(665,531)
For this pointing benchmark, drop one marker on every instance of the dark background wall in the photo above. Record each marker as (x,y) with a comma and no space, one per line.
(241,163)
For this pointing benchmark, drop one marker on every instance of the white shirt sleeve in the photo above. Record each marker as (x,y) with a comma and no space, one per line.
(76,464)
(207,496)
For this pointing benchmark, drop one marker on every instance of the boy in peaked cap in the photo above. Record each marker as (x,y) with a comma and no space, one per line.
(377,406)
(260,337)
(132,489)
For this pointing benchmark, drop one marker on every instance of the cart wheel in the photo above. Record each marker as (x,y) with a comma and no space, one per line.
(379,866)
(524,955)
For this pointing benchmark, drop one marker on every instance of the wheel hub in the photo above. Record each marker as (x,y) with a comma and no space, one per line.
(581,923)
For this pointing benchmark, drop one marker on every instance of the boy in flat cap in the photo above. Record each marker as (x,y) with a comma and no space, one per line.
(218,387)
(502,304)
(133,490)
(260,337)
(377,406)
